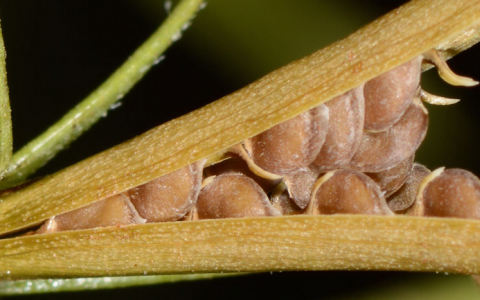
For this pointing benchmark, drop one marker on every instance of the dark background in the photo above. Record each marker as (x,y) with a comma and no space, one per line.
(59,51)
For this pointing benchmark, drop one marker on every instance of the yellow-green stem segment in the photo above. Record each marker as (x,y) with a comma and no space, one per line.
(5,116)
(39,286)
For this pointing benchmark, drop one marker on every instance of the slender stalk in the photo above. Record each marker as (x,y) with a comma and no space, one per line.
(78,120)
(39,286)
(5,118)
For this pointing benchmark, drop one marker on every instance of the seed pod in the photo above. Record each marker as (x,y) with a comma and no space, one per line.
(233,196)
(235,164)
(402,199)
(282,201)
(347,192)
(292,144)
(113,211)
(345,129)
(452,193)
(392,179)
(169,197)
(300,185)
(380,151)
(388,96)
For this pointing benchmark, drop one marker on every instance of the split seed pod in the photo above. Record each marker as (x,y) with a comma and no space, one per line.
(402,199)
(233,196)
(451,193)
(169,197)
(113,211)
(380,151)
(347,192)
(345,129)
(388,96)
(207,133)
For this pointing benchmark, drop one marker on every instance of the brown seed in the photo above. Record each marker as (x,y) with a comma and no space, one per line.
(402,199)
(300,185)
(292,144)
(282,201)
(392,179)
(453,193)
(389,95)
(169,197)
(347,192)
(239,149)
(345,129)
(113,211)
(235,164)
(380,151)
(233,196)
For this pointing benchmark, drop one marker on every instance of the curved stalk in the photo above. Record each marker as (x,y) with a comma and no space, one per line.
(78,120)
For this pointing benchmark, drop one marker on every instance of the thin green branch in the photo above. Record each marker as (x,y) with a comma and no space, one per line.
(39,286)
(43,148)
(5,119)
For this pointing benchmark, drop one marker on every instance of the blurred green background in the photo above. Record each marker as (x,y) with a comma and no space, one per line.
(59,51)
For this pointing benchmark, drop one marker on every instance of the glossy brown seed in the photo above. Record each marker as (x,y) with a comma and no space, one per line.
(235,164)
(292,144)
(347,192)
(300,184)
(282,201)
(389,95)
(392,179)
(402,199)
(453,193)
(382,150)
(233,196)
(345,129)
(113,211)
(169,197)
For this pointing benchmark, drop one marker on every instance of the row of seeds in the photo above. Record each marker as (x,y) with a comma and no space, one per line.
(352,155)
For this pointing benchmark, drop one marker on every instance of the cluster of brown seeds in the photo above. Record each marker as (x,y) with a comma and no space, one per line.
(351,155)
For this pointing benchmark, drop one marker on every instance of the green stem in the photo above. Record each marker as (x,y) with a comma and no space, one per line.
(26,287)
(43,148)
(5,119)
